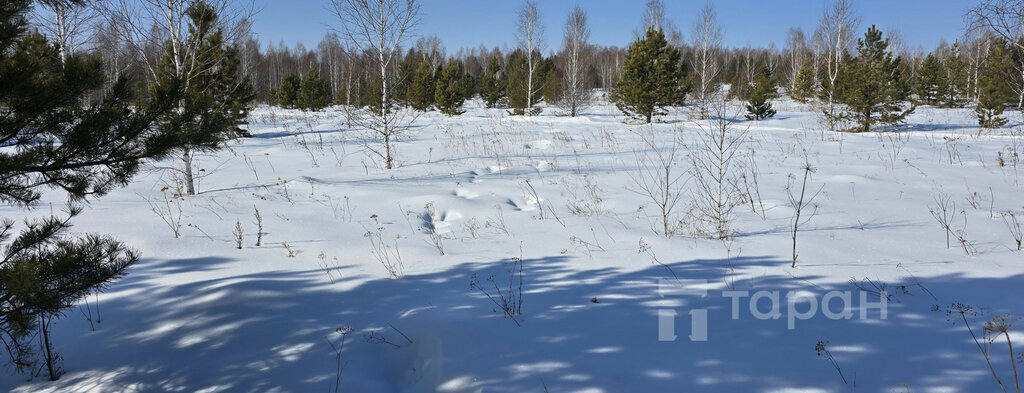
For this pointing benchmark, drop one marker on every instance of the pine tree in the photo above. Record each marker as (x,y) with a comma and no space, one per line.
(994,94)
(956,77)
(421,88)
(288,96)
(931,81)
(449,94)
(314,91)
(759,105)
(53,138)
(873,88)
(470,86)
(551,87)
(805,84)
(739,86)
(406,71)
(651,78)
(217,97)
(518,86)
(492,82)
(371,96)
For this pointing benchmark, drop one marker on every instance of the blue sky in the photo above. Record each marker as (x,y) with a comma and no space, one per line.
(469,23)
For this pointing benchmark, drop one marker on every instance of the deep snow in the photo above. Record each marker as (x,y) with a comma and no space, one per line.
(198,315)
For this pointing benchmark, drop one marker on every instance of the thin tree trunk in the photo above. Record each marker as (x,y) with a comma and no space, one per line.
(186,158)
(44,322)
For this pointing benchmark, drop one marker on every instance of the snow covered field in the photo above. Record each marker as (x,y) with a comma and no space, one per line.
(477,194)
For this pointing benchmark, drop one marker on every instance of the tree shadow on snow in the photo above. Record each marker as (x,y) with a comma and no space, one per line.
(269,331)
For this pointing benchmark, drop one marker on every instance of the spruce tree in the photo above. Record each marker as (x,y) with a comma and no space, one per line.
(931,81)
(994,94)
(288,96)
(492,82)
(805,84)
(759,105)
(651,78)
(421,88)
(873,87)
(314,91)
(449,94)
(54,138)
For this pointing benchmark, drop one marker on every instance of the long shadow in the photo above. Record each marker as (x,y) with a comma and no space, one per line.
(165,328)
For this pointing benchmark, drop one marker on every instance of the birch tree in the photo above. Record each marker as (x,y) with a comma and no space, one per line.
(796,52)
(707,42)
(654,18)
(1005,19)
(144,23)
(836,28)
(576,61)
(531,40)
(379,27)
(65,22)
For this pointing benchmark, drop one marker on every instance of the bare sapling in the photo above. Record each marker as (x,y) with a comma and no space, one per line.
(658,180)
(378,28)
(716,172)
(800,202)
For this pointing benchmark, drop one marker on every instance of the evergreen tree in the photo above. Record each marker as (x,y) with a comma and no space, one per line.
(288,96)
(739,86)
(994,94)
(421,88)
(873,87)
(805,84)
(470,86)
(492,82)
(956,77)
(551,87)
(314,91)
(53,138)
(406,71)
(371,96)
(931,81)
(651,78)
(449,94)
(518,85)
(217,97)
(759,105)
